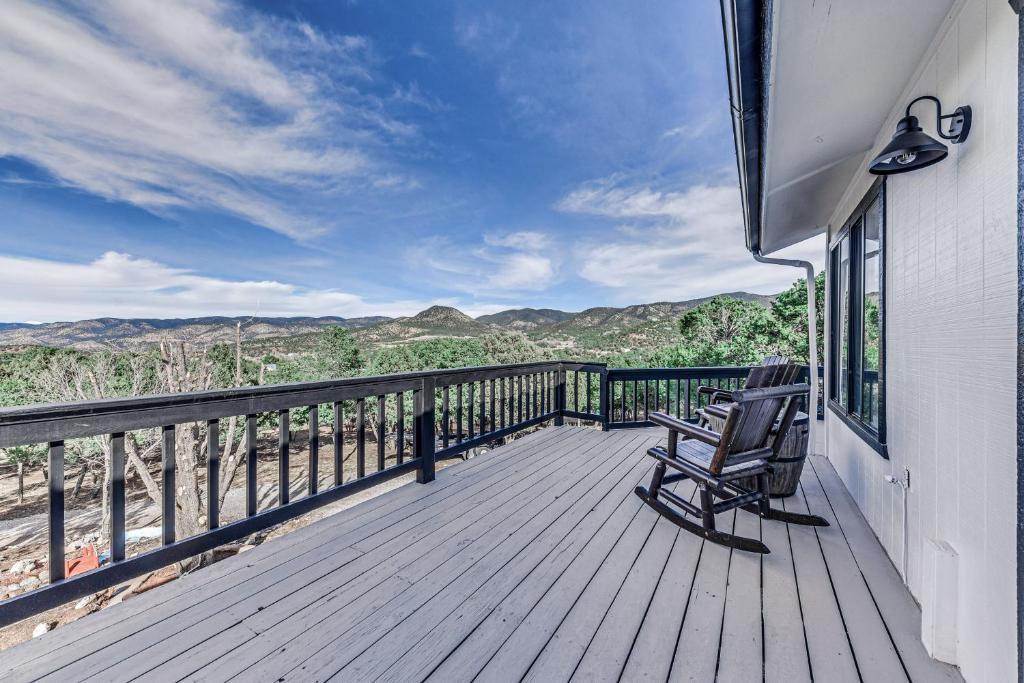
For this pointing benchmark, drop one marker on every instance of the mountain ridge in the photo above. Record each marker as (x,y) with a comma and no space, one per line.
(601,327)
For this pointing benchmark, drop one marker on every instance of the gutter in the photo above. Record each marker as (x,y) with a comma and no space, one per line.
(812,337)
(746,29)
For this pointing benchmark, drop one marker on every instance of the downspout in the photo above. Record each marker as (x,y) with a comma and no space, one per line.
(812,337)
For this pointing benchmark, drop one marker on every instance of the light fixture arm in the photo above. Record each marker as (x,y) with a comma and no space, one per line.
(959,126)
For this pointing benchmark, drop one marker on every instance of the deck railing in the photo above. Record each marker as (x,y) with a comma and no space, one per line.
(427,416)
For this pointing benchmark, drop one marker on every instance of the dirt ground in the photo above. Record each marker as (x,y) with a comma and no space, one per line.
(23,525)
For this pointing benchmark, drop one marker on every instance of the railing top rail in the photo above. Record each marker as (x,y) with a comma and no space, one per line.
(15,414)
(677,373)
(42,423)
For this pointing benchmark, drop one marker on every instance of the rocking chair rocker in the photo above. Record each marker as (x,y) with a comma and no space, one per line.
(714,461)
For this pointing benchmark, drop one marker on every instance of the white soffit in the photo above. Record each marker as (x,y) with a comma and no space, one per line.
(837,70)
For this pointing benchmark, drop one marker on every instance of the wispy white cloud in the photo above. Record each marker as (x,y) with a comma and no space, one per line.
(500,265)
(674,244)
(418,51)
(695,128)
(122,285)
(188,104)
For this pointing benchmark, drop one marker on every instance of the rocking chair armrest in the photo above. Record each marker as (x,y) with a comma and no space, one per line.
(719,411)
(715,395)
(688,430)
(747,456)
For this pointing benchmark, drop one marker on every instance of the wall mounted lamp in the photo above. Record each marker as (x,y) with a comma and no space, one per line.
(911,149)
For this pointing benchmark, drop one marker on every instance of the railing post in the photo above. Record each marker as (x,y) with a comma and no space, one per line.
(560,397)
(424,412)
(55,530)
(604,403)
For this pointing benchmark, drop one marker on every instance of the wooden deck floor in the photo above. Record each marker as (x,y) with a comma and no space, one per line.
(534,562)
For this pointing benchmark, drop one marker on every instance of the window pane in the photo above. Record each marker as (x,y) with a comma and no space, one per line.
(844,321)
(871,343)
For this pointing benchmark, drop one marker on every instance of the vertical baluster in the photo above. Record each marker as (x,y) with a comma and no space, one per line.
(400,428)
(458,413)
(622,401)
(284,435)
(445,415)
(689,414)
(589,392)
(212,479)
(636,393)
(55,495)
(250,465)
(167,473)
(518,399)
(678,388)
(526,398)
(493,421)
(540,393)
(530,389)
(472,409)
(500,419)
(483,407)
(117,495)
(314,450)
(545,391)
(382,408)
(339,444)
(360,438)
(647,400)
(576,391)
(542,379)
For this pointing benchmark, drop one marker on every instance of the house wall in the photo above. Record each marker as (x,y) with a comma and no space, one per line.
(951,342)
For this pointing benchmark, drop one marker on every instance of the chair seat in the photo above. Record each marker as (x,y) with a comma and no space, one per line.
(700,454)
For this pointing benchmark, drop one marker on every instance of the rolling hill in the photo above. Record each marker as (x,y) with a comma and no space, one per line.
(602,330)
(119,333)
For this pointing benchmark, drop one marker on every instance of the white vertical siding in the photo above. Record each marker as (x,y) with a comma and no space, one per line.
(951,341)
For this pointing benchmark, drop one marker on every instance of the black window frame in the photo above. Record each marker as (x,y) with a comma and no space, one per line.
(850,413)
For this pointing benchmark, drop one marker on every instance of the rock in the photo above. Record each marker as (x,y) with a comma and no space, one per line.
(84,602)
(246,548)
(40,629)
(30,566)
(18,567)
(30,583)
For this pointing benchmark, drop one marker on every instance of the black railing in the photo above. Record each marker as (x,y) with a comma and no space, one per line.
(635,393)
(426,415)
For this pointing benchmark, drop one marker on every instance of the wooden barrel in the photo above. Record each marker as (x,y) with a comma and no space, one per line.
(787,468)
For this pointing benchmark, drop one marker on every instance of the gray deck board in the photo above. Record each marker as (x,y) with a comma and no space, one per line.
(536,562)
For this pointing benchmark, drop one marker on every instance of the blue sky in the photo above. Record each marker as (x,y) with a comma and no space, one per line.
(326,158)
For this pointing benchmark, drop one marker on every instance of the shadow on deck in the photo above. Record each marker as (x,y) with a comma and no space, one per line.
(535,561)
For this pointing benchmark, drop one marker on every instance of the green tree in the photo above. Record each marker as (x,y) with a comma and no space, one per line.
(790,311)
(445,352)
(335,355)
(726,331)
(503,348)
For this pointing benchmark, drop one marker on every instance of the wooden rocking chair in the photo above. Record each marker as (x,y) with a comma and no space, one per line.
(714,461)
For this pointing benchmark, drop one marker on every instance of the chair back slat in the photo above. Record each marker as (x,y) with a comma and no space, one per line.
(751,418)
(772,374)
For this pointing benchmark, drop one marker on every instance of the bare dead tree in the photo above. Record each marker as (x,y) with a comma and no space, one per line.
(69,379)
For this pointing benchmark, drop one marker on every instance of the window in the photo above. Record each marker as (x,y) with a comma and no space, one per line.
(857,340)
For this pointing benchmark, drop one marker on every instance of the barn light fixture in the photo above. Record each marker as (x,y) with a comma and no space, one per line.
(911,149)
